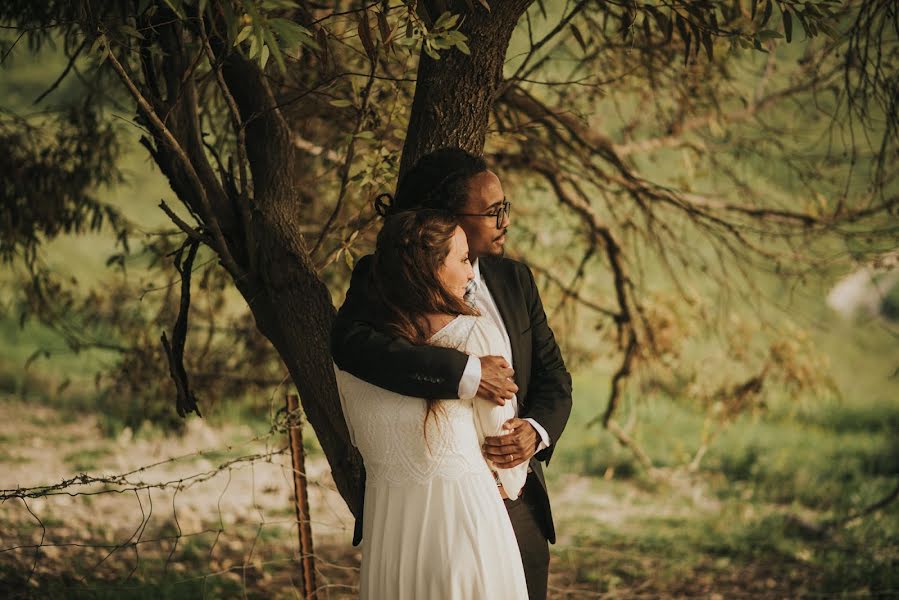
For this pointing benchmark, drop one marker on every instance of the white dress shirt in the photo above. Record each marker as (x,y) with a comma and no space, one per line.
(471,376)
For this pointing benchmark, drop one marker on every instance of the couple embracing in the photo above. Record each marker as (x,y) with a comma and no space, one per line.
(454,391)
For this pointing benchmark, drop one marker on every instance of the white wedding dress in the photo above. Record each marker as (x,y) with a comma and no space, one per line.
(434,524)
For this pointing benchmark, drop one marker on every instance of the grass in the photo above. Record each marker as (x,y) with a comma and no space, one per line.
(764,479)
(739,549)
(86,459)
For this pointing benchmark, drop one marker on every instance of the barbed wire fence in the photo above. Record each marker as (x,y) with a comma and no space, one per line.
(235,525)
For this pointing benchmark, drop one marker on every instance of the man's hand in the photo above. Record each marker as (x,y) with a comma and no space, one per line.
(516,446)
(496,380)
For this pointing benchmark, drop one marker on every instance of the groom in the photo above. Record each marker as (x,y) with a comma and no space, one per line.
(503,291)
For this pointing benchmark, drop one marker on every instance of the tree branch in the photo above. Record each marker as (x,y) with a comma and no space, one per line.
(166,136)
(240,133)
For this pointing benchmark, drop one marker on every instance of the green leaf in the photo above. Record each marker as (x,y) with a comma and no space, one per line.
(340,103)
(828,30)
(788,25)
(446,21)
(660,18)
(366,135)
(348,258)
(685,36)
(244,34)
(463,48)
(384,28)
(707,43)
(802,23)
(768,34)
(687,50)
(364,30)
(429,50)
(767,14)
(697,36)
(263,56)
(289,30)
(272,45)
(578,37)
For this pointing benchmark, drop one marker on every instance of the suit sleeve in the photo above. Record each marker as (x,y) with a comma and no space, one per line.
(361,347)
(549,393)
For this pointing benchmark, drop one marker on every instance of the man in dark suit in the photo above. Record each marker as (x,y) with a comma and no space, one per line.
(504,291)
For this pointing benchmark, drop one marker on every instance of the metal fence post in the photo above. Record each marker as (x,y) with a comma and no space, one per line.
(307,557)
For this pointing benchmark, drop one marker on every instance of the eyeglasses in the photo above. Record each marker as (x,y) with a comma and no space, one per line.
(499,213)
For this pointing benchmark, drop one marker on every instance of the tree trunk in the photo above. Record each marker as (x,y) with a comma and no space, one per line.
(454,96)
(291,304)
(294,311)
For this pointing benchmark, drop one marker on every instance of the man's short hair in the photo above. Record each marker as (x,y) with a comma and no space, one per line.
(438,180)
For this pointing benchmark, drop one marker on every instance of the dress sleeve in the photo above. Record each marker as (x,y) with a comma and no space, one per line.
(342,382)
(486,339)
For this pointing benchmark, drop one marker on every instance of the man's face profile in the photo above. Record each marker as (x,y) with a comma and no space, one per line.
(485,195)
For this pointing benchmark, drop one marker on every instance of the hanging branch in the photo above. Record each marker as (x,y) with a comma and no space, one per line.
(185,401)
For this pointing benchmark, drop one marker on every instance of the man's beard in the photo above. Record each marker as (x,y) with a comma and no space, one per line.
(502,249)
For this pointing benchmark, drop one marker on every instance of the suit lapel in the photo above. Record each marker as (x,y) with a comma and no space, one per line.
(502,295)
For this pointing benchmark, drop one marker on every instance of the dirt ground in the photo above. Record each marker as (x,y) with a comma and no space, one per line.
(187,527)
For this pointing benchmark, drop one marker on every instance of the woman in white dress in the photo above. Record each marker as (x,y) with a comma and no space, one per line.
(434,523)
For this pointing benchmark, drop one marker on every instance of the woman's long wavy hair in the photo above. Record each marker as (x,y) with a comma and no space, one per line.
(411,248)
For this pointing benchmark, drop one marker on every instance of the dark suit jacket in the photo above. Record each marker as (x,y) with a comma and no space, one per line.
(360,347)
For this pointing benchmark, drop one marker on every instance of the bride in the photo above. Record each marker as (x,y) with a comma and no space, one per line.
(434,523)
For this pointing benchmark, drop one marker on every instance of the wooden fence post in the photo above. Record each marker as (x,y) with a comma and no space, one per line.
(307,557)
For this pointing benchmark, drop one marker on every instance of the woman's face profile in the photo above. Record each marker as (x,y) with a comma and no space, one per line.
(456,271)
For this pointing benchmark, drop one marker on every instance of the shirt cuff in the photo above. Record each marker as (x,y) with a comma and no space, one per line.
(544,437)
(471,379)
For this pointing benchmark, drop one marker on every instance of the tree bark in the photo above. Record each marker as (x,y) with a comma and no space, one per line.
(454,96)
(291,304)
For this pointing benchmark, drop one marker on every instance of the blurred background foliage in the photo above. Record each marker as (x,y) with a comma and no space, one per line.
(756,373)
